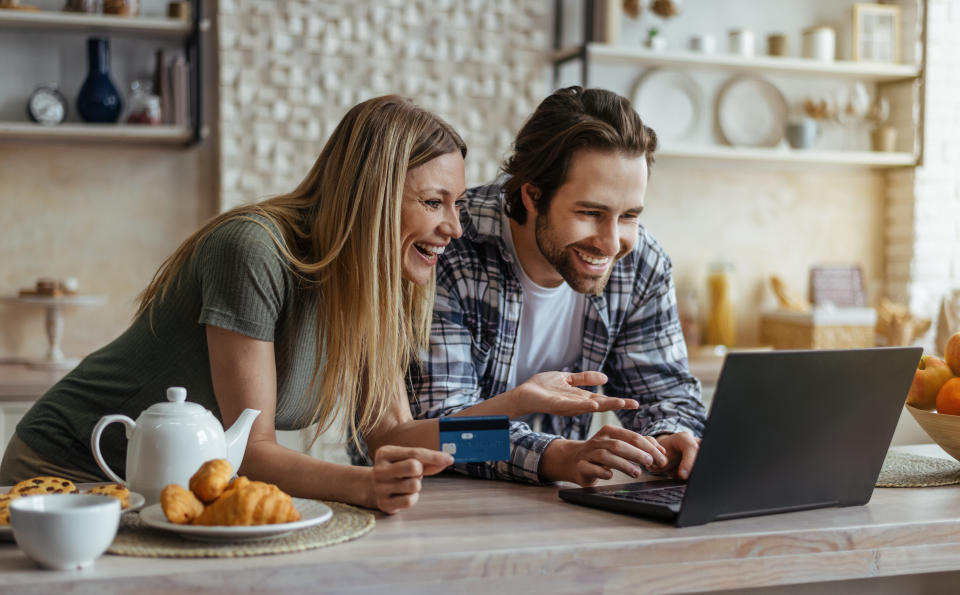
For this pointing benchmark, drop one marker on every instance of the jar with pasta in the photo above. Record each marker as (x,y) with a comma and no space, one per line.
(721,318)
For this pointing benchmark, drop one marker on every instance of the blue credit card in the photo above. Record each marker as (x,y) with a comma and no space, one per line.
(476,439)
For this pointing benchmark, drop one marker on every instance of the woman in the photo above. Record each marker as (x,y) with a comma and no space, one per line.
(306,306)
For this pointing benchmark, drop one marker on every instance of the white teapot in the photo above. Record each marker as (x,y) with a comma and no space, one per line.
(169,441)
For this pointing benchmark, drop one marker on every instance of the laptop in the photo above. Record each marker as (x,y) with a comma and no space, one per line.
(787,431)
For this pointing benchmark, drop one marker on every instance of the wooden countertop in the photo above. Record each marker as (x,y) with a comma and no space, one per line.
(470,535)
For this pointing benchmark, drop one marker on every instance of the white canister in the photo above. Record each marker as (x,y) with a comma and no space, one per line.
(705,43)
(741,42)
(820,43)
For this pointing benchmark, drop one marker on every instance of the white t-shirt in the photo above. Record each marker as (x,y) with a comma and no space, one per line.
(550,336)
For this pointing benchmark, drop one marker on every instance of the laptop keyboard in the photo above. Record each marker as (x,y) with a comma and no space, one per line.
(668,495)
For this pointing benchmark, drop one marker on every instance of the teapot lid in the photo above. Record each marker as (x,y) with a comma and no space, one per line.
(176,404)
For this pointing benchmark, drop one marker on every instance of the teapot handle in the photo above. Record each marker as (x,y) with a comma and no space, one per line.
(95,441)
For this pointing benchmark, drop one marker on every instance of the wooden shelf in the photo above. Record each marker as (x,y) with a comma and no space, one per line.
(864,71)
(122,133)
(48,20)
(873,159)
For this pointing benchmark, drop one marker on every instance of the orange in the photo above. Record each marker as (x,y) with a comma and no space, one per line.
(948,397)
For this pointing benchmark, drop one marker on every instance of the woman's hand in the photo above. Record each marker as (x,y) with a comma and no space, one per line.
(556,393)
(397,474)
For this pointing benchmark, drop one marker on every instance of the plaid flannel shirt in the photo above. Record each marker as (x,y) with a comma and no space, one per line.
(631,333)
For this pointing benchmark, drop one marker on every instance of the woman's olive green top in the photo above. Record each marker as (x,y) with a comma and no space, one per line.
(237,280)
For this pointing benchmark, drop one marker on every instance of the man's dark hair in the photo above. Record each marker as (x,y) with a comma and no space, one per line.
(567,121)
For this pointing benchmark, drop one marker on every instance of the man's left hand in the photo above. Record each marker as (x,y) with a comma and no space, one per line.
(682,450)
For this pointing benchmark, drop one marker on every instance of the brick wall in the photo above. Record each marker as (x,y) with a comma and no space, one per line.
(923,204)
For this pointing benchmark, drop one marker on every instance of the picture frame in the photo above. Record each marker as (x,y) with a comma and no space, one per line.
(876,33)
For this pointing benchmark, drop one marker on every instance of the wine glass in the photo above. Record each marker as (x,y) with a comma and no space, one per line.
(853,103)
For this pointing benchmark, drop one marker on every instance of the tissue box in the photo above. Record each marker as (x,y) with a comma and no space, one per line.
(821,328)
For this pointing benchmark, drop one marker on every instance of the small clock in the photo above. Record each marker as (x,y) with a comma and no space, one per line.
(47,106)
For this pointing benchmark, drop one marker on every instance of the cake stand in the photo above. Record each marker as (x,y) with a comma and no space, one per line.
(54,314)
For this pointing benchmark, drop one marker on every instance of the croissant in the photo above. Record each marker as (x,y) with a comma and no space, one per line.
(211,479)
(179,504)
(246,502)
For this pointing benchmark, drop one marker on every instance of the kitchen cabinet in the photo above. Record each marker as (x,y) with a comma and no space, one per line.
(612,65)
(189,34)
(20,386)
(10,414)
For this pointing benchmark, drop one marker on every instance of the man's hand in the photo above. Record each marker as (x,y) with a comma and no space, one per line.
(397,473)
(586,462)
(556,393)
(681,449)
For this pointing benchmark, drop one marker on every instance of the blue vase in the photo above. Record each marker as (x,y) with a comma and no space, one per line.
(99,100)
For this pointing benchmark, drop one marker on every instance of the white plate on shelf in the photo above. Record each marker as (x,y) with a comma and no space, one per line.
(135,502)
(670,102)
(751,112)
(312,513)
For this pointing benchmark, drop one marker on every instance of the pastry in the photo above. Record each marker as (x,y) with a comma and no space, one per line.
(44,485)
(211,479)
(45,286)
(249,503)
(114,490)
(5,500)
(179,504)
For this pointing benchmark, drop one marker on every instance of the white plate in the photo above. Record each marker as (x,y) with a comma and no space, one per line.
(135,502)
(751,112)
(670,102)
(311,513)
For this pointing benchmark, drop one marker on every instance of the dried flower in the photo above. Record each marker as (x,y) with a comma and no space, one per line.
(664,8)
(632,8)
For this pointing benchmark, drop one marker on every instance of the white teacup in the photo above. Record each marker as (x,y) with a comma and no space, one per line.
(64,531)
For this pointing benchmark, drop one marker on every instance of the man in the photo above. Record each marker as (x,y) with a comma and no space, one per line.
(554,281)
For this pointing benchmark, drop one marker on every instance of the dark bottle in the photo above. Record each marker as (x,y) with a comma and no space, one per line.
(99,101)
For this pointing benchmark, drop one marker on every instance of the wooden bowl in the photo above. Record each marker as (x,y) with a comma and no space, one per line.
(942,428)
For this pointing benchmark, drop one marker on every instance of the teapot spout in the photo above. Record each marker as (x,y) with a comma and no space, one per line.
(236,436)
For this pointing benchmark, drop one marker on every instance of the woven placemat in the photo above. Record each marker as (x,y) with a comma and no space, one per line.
(904,470)
(135,538)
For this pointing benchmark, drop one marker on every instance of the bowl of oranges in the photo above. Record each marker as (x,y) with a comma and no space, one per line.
(934,397)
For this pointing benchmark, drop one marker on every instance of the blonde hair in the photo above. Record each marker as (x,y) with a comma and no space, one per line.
(341,234)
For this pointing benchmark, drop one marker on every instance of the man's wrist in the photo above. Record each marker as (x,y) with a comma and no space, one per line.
(555,460)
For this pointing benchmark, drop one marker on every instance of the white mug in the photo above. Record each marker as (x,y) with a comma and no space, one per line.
(741,42)
(820,43)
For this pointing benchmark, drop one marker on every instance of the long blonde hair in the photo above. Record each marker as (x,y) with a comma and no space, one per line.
(341,233)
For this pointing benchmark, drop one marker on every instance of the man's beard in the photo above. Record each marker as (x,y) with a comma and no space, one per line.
(561,258)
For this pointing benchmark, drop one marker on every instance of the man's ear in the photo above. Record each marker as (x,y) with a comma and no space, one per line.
(530,195)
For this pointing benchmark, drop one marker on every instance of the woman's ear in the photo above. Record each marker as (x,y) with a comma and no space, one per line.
(530,195)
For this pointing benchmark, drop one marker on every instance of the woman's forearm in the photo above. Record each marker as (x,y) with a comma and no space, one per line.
(303,476)
(425,433)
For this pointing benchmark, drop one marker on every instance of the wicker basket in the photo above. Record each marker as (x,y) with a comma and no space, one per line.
(821,329)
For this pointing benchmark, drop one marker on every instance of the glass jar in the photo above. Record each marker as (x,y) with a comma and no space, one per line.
(144,105)
(688,307)
(721,318)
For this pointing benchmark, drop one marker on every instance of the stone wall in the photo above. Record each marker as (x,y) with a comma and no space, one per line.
(290,69)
